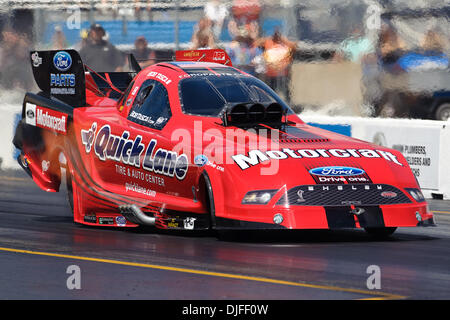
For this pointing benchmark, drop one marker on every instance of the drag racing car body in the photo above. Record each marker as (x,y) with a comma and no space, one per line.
(196,144)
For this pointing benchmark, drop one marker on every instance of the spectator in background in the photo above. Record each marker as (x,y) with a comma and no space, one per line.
(143,54)
(434,42)
(14,60)
(245,13)
(355,48)
(83,41)
(139,7)
(216,11)
(244,54)
(99,54)
(278,56)
(203,37)
(59,41)
(390,46)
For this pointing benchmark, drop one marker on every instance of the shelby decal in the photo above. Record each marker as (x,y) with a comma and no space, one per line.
(45,118)
(108,146)
(336,171)
(255,157)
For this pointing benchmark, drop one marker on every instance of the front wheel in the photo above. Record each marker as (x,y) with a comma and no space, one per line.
(381,232)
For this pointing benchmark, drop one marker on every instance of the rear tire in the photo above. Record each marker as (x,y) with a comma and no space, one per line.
(381,232)
(443,112)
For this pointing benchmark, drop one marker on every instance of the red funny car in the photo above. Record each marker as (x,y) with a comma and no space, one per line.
(195,144)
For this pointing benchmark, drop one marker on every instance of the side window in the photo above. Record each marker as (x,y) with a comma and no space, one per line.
(151,107)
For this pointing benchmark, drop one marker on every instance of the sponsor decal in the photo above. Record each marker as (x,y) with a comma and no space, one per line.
(351,203)
(45,118)
(37,61)
(45,165)
(159,76)
(106,220)
(300,195)
(92,218)
(255,157)
(388,194)
(141,117)
(336,171)
(121,221)
(206,74)
(190,54)
(172,223)
(62,83)
(139,189)
(108,146)
(135,90)
(340,187)
(200,160)
(215,166)
(189,223)
(219,56)
(62,61)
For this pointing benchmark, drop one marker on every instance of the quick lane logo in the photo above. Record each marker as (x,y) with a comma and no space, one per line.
(108,146)
(255,157)
(45,118)
(336,171)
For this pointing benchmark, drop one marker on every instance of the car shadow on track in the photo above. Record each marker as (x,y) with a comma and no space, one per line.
(286,236)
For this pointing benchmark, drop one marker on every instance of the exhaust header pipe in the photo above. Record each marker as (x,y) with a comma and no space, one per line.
(135,215)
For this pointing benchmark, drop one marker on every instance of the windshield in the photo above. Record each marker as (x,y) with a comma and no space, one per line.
(207,95)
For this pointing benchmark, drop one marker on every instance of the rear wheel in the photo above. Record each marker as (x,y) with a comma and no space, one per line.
(381,232)
(443,112)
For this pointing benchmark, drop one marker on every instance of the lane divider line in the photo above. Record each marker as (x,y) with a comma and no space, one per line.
(375,295)
(436,211)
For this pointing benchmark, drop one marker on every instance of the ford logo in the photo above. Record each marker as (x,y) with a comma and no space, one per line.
(200,160)
(336,171)
(62,61)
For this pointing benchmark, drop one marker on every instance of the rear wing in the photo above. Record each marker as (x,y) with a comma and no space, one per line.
(63,75)
(205,55)
(60,73)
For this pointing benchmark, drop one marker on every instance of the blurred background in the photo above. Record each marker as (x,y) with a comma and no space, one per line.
(387,58)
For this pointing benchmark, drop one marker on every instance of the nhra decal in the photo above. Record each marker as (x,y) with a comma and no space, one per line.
(255,157)
(108,146)
(45,118)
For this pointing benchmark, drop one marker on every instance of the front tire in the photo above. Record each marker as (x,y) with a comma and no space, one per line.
(209,201)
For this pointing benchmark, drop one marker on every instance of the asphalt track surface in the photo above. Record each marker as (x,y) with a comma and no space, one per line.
(39,241)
